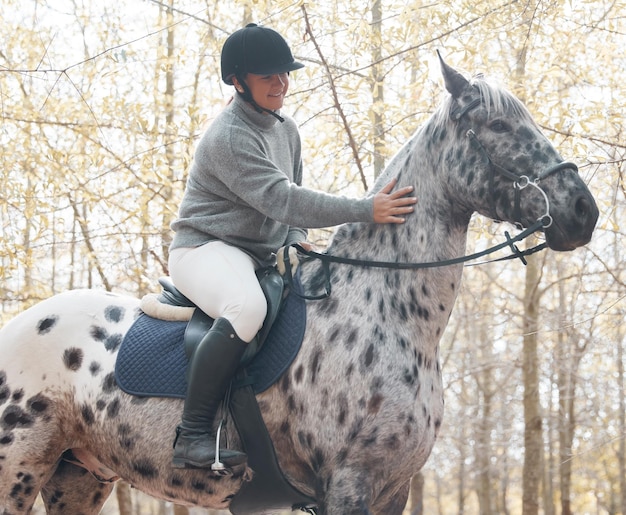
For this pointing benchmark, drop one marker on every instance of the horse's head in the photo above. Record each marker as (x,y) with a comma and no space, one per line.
(509,170)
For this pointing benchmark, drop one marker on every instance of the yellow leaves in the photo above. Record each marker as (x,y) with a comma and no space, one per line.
(109,131)
(93,162)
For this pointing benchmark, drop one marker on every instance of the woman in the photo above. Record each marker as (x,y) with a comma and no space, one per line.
(243,201)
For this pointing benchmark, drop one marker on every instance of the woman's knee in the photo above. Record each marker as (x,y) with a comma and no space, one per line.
(247,314)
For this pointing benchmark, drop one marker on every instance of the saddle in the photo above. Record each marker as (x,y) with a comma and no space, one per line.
(273,288)
(269,490)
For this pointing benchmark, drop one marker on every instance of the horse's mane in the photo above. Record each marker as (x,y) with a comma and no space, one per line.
(494,96)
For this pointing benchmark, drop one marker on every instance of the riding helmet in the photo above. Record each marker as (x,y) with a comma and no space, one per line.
(258,50)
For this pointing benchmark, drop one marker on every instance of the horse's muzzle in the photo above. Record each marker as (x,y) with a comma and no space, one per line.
(573,231)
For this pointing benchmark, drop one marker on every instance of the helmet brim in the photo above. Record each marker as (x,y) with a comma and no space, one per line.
(283,68)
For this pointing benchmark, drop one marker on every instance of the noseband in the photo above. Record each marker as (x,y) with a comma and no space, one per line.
(520,182)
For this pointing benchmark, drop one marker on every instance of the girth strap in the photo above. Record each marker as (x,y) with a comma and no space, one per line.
(268,491)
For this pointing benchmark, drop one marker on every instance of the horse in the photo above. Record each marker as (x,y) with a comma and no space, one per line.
(358,411)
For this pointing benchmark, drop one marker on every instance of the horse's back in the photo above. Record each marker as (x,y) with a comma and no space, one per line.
(72,309)
(66,337)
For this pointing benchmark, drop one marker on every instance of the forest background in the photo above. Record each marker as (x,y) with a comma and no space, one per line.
(102,103)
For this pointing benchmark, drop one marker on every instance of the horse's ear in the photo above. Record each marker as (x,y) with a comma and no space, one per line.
(454,81)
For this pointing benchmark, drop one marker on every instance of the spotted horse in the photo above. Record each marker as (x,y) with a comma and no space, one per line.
(357,413)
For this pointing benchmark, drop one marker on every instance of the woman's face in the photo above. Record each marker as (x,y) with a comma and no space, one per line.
(268,91)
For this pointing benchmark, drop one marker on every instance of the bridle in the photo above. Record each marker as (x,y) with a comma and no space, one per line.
(520,182)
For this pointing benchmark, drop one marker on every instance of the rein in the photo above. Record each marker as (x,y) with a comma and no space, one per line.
(397,265)
(520,182)
(327,259)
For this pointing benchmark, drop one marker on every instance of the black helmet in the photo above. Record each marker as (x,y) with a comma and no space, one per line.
(257,50)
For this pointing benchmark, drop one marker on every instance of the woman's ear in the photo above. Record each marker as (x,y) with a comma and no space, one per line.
(237,85)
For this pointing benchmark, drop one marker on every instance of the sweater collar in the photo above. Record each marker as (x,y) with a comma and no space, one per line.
(263,121)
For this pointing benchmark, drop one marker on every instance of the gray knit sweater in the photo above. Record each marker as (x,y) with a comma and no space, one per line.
(244,187)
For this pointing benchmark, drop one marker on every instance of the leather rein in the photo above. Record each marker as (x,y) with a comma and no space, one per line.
(520,182)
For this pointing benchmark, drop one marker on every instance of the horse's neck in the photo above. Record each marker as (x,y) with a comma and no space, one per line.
(435,231)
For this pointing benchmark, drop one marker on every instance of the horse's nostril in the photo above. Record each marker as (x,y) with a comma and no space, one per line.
(582,208)
(586,212)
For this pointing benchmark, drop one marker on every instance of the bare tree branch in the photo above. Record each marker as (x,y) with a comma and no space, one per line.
(91,252)
(337,104)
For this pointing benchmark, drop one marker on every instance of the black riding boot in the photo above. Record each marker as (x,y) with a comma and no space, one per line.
(211,369)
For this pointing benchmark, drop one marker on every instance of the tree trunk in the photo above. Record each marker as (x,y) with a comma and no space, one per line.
(549,466)
(462,442)
(571,347)
(621,458)
(533,442)
(502,506)
(484,380)
(170,135)
(416,496)
(377,108)
(565,381)
(124,499)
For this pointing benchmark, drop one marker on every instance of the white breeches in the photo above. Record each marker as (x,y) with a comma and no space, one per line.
(220,279)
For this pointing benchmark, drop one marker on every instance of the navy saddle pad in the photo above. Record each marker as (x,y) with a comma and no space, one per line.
(151,361)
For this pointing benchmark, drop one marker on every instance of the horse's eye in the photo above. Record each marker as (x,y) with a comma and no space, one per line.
(499,126)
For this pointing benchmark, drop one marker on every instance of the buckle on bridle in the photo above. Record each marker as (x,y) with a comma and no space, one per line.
(514,248)
(546,220)
(522,182)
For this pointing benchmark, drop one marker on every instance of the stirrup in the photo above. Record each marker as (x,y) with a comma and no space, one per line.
(217,466)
